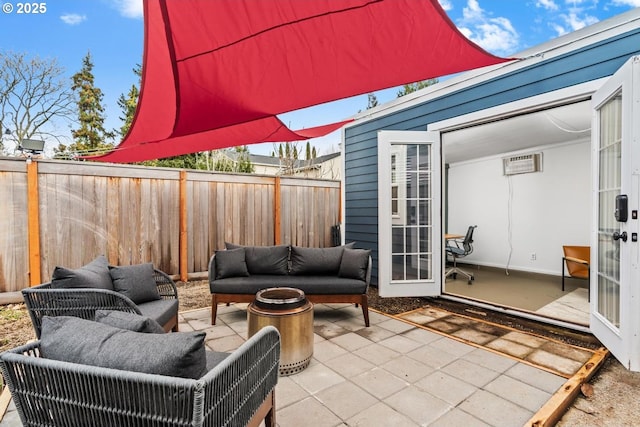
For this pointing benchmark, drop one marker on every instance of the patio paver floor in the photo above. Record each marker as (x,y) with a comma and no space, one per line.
(552,355)
(401,373)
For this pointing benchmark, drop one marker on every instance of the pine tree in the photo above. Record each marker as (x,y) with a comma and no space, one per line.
(372,101)
(412,87)
(129,103)
(91,137)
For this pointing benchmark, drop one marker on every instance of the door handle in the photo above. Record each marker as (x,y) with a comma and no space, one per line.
(620,236)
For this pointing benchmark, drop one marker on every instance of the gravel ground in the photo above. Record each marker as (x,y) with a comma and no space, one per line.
(614,401)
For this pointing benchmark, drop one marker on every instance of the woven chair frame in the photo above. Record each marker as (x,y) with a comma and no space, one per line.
(42,300)
(56,393)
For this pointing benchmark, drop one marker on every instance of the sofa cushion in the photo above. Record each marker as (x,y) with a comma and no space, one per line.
(354,263)
(231,263)
(160,310)
(135,281)
(213,358)
(75,340)
(92,275)
(130,321)
(311,285)
(265,259)
(316,261)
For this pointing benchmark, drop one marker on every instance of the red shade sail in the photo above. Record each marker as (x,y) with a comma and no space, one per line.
(217,72)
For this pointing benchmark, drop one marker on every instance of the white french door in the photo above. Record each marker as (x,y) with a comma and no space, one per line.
(409,213)
(615,278)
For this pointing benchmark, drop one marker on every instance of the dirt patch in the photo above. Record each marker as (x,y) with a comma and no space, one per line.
(16,327)
(193,295)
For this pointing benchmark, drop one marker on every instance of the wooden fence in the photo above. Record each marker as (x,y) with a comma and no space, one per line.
(67,213)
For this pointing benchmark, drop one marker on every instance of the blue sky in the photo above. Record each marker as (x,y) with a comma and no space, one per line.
(112,30)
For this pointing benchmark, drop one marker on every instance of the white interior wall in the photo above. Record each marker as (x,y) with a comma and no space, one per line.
(548,209)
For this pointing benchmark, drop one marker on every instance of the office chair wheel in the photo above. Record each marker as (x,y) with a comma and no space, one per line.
(471,279)
(455,276)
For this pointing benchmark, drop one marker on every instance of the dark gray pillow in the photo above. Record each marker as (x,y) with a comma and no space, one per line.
(231,263)
(129,321)
(265,259)
(135,281)
(76,340)
(92,275)
(316,261)
(354,264)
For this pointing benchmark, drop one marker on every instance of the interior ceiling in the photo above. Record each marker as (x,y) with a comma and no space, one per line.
(555,125)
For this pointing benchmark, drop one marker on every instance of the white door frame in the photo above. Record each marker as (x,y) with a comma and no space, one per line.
(623,338)
(420,287)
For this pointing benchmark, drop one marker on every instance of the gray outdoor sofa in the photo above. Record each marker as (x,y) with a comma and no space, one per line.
(139,289)
(338,274)
(98,377)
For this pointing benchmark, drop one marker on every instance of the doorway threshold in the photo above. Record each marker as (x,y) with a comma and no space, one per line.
(512,311)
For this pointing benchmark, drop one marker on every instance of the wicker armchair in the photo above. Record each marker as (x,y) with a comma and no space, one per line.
(42,300)
(238,391)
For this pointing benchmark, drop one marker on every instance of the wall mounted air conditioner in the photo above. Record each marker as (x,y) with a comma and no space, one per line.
(525,163)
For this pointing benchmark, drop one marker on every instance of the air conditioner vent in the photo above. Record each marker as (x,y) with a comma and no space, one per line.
(525,163)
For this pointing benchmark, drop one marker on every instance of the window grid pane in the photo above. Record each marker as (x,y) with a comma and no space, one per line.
(610,163)
(412,236)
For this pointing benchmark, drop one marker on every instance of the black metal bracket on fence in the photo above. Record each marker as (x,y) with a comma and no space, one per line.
(336,237)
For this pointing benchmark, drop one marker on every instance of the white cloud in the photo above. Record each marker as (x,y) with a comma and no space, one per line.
(473,11)
(496,35)
(574,16)
(547,4)
(73,18)
(446,4)
(559,29)
(632,3)
(575,22)
(129,8)
(575,19)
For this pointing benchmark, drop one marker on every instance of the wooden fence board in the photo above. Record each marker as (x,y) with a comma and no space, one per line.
(14,263)
(131,215)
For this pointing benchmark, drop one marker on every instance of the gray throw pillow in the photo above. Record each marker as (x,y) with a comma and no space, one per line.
(129,321)
(135,281)
(354,264)
(92,275)
(76,340)
(316,261)
(265,259)
(231,263)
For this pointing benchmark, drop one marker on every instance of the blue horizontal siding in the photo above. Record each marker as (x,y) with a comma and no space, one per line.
(591,62)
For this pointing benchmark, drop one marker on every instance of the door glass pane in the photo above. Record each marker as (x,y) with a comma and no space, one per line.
(411,233)
(609,183)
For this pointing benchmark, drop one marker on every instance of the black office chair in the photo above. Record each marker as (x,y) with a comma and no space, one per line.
(460,249)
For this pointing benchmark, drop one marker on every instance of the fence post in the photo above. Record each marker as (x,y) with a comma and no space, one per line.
(33,223)
(184,274)
(276,211)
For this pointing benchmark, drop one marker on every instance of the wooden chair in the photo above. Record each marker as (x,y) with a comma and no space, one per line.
(577,260)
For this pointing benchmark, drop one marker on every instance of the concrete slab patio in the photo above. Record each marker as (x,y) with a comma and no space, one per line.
(400,372)
(392,373)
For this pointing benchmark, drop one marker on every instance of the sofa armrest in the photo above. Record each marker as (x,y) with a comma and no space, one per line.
(166,286)
(60,393)
(368,275)
(212,270)
(42,301)
(236,387)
